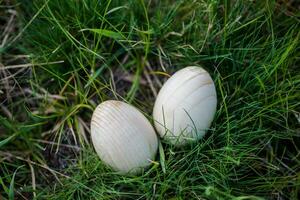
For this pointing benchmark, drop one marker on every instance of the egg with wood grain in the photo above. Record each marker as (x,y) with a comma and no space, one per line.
(123,137)
(185,106)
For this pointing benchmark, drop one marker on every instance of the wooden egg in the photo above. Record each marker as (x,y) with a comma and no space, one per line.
(185,106)
(123,137)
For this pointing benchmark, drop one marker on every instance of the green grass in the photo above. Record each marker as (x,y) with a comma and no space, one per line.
(80,53)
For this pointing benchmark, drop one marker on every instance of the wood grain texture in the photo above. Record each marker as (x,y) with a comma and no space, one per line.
(185,106)
(123,137)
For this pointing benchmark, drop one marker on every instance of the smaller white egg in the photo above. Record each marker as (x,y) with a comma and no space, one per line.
(185,106)
(123,137)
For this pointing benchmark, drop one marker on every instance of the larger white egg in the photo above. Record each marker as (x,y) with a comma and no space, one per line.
(185,106)
(123,137)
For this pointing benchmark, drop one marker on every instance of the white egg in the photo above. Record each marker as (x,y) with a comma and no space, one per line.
(123,137)
(185,106)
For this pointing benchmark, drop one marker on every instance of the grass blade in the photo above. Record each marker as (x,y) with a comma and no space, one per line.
(106,33)
(11,194)
(162,157)
(5,141)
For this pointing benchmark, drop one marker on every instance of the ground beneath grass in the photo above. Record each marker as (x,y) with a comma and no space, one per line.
(60,59)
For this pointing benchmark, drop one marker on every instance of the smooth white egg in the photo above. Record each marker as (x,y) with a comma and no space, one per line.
(123,137)
(185,106)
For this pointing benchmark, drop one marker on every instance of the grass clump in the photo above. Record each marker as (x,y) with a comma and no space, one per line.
(84,52)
